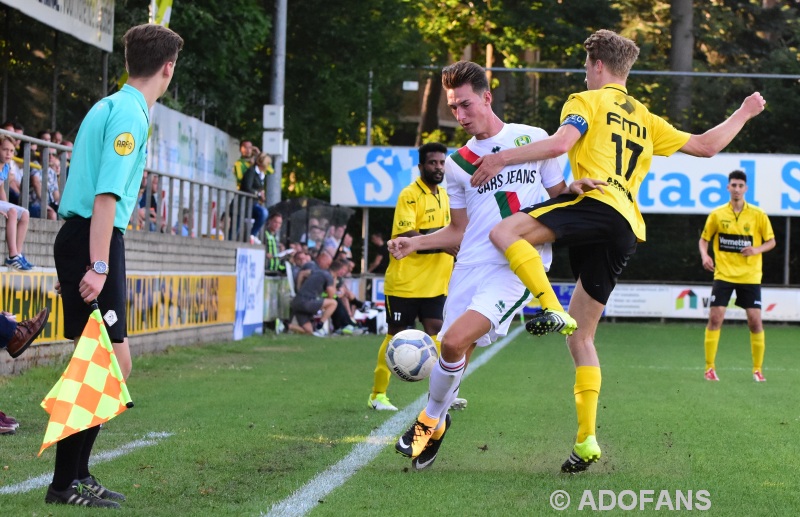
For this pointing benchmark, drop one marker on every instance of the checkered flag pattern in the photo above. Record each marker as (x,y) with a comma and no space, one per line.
(90,391)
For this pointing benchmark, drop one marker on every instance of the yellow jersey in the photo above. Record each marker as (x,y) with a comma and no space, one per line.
(730,233)
(619,137)
(426,273)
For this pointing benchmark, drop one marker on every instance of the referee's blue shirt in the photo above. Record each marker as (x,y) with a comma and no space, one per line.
(108,156)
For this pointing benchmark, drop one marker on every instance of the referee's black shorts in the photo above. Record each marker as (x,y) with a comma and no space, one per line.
(71,254)
(599,238)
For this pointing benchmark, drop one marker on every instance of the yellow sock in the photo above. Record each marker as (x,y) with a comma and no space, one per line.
(526,263)
(711,343)
(757,347)
(587,391)
(438,344)
(382,373)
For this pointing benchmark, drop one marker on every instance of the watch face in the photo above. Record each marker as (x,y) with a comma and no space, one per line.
(100,267)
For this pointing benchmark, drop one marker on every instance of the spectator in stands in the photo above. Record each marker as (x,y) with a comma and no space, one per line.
(345,247)
(274,265)
(35,200)
(36,153)
(16,337)
(309,299)
(334,238)
(253,183)
(150,220)
(58,138)
(16,217)
(246,160)
(53,192)
(182,227)
(299,260)
(381,258)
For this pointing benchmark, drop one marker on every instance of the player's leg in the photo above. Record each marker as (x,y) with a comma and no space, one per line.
(444,381)
(720,295)
(516,236)
(749,298)
(431,315)
(587,312)
(400,315)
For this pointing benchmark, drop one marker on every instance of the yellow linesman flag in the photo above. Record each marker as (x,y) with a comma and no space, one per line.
(91,390)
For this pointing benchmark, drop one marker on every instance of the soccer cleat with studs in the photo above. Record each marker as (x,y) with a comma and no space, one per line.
(381,403)
(546,321)
(414,441)
(711,375)
(428,454)
(758,376)
(582,455)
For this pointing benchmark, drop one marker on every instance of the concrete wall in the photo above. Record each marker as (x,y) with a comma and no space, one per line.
(145,251)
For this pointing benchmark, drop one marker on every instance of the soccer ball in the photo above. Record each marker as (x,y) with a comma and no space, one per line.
(411,355)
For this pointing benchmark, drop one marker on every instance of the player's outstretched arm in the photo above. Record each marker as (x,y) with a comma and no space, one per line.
(559,143)
(717,138)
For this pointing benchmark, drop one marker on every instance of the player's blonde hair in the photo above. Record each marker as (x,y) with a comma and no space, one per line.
(618,53)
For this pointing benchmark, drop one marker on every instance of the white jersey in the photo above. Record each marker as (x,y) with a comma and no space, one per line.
(514,187)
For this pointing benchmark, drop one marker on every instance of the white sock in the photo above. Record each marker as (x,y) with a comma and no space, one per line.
(444,383)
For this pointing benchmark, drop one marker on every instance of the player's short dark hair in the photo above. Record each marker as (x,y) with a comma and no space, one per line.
(465,72)
(737,175)
(148,47)
(431,147)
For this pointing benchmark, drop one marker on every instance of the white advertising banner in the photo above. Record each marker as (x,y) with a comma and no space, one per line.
(249,312)
(91,21)
(184,146)
(374,176)
(692,302)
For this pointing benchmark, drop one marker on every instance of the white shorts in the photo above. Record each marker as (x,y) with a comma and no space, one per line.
(5,206)
(492,290)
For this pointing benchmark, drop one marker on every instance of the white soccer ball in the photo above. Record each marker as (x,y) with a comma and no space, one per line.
(411,355)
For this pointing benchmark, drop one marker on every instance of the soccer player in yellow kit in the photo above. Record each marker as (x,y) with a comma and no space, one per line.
(741,233)
(416,287)
(610,138)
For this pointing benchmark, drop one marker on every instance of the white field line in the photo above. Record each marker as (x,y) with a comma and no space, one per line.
(44,479)
(307,497)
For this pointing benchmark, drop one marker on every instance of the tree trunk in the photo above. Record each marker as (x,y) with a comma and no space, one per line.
(680,57)
(429,114)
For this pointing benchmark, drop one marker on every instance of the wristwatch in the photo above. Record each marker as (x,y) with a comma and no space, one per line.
(100,267)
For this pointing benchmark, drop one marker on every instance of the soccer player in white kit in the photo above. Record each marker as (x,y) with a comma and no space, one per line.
(484,294)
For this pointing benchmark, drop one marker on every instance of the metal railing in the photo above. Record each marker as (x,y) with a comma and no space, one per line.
(183,206)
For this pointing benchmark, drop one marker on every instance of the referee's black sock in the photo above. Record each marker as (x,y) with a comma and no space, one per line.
(86,451)
(68,455)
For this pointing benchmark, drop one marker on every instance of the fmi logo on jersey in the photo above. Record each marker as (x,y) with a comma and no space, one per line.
(124,144)
(522,140)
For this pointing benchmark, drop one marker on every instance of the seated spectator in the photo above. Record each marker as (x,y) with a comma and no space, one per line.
(345,247)
(36,153)
(16,337)
(54,193)
(35,199)
(150,219)
(309,298)
(182,227)
(16,217)
(253,183)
